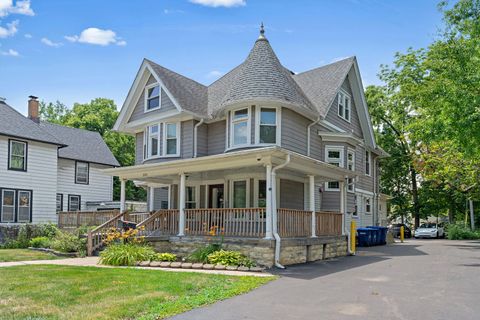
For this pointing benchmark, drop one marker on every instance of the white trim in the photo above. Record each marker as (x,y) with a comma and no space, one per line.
(148,141)
(178,128)
(345,105)
(146,98)
(358,190)
(330,125)
(339,137)
(352,184)
(341,162)
(172,98)
(256,190)
(249,127)
(247,197)
(278,125)
(368,156)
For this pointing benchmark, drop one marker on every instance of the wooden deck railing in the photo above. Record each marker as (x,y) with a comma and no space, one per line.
(137,217)
(294,223)
(96,237)
(162,222)
(328,223)
(230,222)
(75,219)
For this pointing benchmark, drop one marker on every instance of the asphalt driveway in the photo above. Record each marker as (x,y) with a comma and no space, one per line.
(419,279)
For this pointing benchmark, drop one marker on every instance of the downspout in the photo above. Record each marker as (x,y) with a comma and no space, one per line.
(346,228)
(195,129)
(309,134)
(274,213)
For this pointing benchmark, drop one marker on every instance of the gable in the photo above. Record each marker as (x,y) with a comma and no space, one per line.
(166,104)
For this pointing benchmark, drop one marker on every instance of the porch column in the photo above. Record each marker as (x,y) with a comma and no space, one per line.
(268,208)
(343,204)
(181,207)
(152,198)
(122,195)
(311,190)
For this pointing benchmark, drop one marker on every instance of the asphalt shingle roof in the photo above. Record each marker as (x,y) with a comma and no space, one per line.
(81,144)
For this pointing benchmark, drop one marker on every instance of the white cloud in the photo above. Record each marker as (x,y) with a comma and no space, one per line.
(50,43)
(98,37)
(10,30)
(214,74)
(220,3)
(172,11)
(28,35)
(20,7)
(10,52)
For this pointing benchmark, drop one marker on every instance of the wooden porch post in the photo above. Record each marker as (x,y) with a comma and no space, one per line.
(122,195)
(311,190)
(268,209)
(181,220)
(152,198)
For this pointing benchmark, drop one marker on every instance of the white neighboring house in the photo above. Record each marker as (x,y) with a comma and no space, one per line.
(45,168)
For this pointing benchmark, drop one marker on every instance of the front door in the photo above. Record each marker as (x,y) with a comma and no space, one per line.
(215,196)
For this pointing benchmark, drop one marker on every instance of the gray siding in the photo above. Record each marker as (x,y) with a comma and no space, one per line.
(202,140)
(294,131)
(317,149)
(160,195)
(139,110)
(216,137)
(139,148)
(186,139)
(364,182)
(291,194)
(332,115)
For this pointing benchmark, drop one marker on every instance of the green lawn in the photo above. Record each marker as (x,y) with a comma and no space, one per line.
(7,255)
(65,292)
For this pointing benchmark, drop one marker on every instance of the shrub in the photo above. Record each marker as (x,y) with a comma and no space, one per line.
(201,254)
(126,254)
(49,230)
(460,232)
(165,257)
(124,236)
(230,258)
(68,242)
(40,242)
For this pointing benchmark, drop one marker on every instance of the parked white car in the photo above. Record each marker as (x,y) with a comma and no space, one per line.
(429,230)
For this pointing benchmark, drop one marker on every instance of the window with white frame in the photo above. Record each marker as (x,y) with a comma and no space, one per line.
(8,205)
(17,155)
(24,206)
(267,126)
(368,206)
(368,167)
(190,198)
(153,141)
(81,172)
(171,139)
(152,97)
(239,194)
(239,127)
(344,106)
(334,156)
(351,167)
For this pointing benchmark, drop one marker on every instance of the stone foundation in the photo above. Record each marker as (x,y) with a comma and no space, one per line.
(293,250)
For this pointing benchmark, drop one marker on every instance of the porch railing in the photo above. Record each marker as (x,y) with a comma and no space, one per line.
(328,223)
(162,222)
(96,237)
(235,222)
(137,217)
(294,223)
(75,219)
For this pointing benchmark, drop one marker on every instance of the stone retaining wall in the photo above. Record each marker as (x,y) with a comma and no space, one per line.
(262,251)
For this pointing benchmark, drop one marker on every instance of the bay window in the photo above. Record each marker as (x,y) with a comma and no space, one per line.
(152,97)
(344,105)
(334,156)
(267,126)
(171,139)
(17,155)
(152,140)
(240,127)
(351,167)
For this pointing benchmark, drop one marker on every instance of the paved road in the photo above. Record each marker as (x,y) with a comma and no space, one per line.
(419,279)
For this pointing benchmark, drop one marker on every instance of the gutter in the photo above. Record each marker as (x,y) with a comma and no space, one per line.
(309,134)
(345,227)
(195,142)
(274,213)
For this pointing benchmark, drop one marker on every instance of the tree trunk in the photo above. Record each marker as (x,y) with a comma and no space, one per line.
(416,206)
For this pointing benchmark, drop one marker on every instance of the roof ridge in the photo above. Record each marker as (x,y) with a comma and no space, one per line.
(68,127)
(326,65)
(170,70)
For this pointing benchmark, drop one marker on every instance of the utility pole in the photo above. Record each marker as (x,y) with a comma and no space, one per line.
(472,217)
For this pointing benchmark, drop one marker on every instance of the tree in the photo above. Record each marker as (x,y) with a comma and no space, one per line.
(99,115)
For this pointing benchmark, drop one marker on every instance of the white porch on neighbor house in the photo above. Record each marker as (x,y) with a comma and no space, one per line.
(249,193)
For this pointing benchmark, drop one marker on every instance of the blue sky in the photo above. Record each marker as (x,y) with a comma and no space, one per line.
(74,51)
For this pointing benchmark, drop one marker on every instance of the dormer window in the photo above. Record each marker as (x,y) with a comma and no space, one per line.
(344,105)
(152,97)
(267,131)
(240,127)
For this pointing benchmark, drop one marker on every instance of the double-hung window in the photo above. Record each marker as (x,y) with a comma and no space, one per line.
(267,126)
(24,206)
(8,205)
(368,206)
(59,202)
(368,167)
(153,139)
(74,202)
(81,172)
(190,198)
(351,167)
(171,139)
(152,97)
(334,156)
(239,127)
(240,194)
(17,155)
(344,106)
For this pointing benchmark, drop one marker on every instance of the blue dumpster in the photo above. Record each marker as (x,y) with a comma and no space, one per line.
(364,236)
(384,235)
(380,235)
(375,235)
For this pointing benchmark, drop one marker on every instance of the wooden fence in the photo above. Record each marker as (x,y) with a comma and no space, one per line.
(162,222)
(328,223)
(75,219)
(294,223)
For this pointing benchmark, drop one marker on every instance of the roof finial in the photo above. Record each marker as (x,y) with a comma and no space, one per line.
(262,32)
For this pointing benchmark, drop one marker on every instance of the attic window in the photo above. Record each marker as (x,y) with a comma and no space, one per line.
(344,105)
(152,97)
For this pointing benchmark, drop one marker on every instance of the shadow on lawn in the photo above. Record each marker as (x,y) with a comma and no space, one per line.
(365,256)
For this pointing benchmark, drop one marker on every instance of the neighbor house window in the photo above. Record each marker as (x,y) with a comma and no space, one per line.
(351,167)
(17,156)
(8,205)
(368,206)
(190,198)
(239,124)
(74,202)
(152,97)
(239,194)
(334,156)
(267,126)
(368,167)
(344,106)
(81,172)
(59,202)
(24,206)
(171,139)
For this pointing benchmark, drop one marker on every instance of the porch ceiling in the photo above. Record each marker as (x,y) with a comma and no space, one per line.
(164,172)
